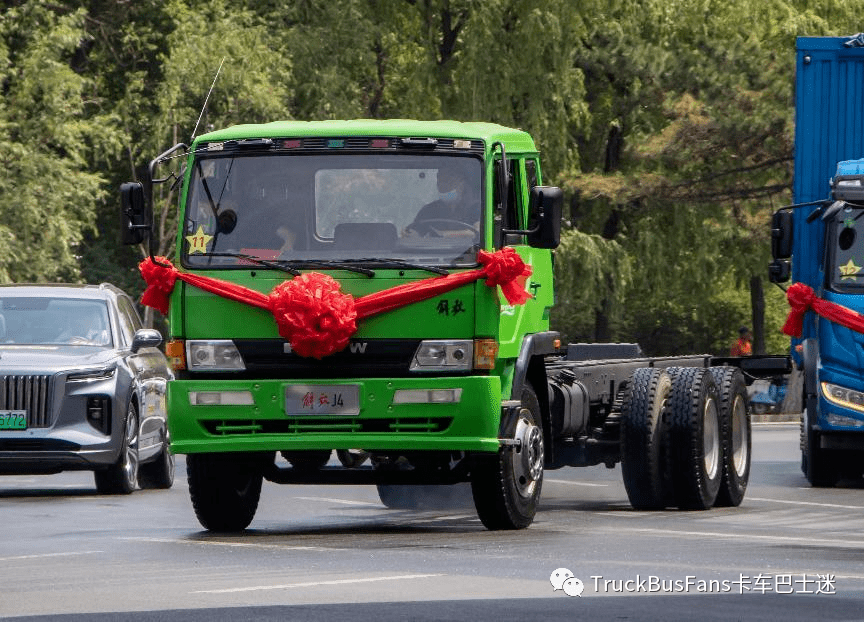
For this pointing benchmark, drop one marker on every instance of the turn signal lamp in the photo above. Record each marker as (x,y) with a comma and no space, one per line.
(485,353)
(175,351)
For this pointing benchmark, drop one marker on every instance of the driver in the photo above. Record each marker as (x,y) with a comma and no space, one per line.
(455,202)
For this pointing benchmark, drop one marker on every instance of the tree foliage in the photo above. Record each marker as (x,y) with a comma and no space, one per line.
(669,123)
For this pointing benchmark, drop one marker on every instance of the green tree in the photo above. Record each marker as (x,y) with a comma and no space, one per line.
(52,126)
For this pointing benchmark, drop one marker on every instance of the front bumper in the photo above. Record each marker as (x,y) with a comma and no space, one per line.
(470,425)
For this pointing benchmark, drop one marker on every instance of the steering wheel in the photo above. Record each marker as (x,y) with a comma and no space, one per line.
(427,227)
(78,341)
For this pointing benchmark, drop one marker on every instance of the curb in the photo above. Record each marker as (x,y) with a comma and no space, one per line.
(776,418)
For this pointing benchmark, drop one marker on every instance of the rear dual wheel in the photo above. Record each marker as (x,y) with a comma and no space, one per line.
(695,445)
(685,438)
(735,435)
(643,428)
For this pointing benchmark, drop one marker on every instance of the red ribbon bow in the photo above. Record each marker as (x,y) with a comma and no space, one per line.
(802,298)
(315,316)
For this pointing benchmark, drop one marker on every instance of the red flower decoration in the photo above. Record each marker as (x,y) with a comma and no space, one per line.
(313,315)
(505,268)
(160,282)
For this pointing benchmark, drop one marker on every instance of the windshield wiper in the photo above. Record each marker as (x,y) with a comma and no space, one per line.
(390,262)
(256,260)
(326,263)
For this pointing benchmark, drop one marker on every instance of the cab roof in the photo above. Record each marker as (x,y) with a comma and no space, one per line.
(514,140)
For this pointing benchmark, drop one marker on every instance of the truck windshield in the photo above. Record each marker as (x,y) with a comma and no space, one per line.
(846,250)
(423,209)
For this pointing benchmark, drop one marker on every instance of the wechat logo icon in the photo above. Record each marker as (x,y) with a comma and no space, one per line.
(564,579)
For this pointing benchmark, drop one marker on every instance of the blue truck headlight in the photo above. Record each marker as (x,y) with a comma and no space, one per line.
(842,396)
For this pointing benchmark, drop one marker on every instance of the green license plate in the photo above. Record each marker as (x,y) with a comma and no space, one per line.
(13,419)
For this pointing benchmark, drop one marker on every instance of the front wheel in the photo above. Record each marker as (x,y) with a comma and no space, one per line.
(225,489)
(506,486)
(121,478)
(160,472)
(820,465)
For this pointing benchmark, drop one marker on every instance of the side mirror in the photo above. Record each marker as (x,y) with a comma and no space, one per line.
(779,271)
(136,219)
(146,338)
(545,207)
(782,226)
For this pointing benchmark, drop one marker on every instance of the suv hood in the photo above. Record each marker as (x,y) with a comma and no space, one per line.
(53,358)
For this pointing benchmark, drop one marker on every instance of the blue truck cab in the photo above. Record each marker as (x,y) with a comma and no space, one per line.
(819,242)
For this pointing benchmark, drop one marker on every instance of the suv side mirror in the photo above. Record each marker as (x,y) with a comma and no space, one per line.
(544,207)
(146,338)
(782,225)
(136,219)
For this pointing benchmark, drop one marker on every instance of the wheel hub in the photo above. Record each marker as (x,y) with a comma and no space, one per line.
(527,456)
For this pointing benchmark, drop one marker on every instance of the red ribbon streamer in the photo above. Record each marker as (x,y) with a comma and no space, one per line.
(802,298)
(315,316)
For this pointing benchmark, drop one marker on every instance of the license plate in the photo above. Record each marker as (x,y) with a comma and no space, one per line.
(13,419)
(322,399)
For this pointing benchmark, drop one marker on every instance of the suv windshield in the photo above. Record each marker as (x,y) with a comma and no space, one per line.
(424,209)
(54,321)
(846,250)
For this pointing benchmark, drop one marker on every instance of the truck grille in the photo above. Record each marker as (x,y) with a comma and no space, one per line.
(30,393)
(312,425)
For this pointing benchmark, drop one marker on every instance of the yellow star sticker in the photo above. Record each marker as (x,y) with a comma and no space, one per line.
(198,241)
(849,271)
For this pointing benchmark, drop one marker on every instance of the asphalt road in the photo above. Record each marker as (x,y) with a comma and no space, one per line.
(788,552)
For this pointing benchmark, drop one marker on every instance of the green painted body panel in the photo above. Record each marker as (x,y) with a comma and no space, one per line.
(472,423)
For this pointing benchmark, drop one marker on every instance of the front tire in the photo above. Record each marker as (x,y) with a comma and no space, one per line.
(121,478)
(694,434)
(506,486)
(158,474)
(820,465)
(225,489)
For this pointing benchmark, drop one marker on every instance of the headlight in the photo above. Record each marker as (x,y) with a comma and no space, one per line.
(443,355)
(213,355)
(843,397)
(92,375)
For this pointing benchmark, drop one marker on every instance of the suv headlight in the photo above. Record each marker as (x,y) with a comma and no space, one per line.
(443,355)
(213,355)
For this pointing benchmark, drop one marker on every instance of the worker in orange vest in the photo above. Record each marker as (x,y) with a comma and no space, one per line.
(743,346)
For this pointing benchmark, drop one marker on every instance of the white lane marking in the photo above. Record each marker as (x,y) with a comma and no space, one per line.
(822,505)
(45,555)
(569,483)
(743,537)
(249,545)
(342,501)
(286,586)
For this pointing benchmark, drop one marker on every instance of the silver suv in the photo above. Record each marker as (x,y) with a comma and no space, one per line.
(82,387)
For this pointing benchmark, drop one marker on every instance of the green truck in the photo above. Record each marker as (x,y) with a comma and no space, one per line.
(382,288)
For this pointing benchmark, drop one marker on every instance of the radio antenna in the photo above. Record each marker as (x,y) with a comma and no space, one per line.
(206,99)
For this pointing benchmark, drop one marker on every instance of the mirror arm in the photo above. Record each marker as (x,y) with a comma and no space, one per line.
(162,157)
(521,231)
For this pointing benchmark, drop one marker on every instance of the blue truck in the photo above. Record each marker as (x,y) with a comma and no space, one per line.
(819,243)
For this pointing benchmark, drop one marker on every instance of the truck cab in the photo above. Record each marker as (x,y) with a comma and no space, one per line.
(821,235)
